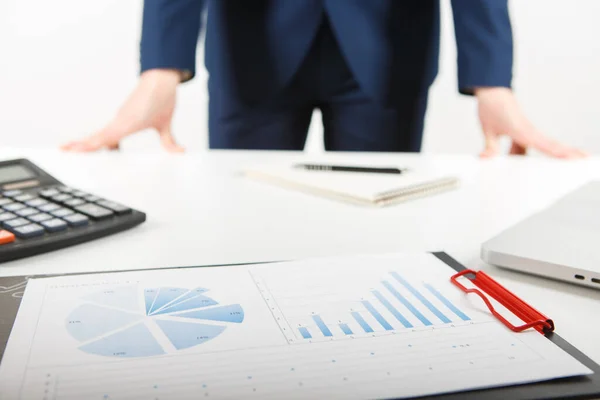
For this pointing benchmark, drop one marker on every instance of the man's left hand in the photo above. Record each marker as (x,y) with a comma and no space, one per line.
(500,114)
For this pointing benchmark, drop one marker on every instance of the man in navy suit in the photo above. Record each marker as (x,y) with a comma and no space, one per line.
(366,64)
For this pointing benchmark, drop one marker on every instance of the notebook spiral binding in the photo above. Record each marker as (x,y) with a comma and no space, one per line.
(417,191)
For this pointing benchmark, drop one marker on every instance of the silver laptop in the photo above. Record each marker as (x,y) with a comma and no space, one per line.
(561,242)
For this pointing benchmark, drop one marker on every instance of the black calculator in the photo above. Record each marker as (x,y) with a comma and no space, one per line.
(40,214)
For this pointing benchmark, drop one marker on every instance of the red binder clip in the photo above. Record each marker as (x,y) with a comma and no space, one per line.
(531,317)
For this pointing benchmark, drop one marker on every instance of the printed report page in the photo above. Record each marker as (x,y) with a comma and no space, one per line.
(387,326)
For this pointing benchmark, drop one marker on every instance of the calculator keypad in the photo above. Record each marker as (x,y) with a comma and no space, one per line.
(61,198)
(36,202)
(116,207)
(55,225)
(23,198)
(12,207)
(13,223)
(28,231)
(94,211)
(12,193)
(66,189)
(6,237)
(6,216)
(77,220)
(74,202)
(40,217)
(49,207)
(48,193)
(26,212)
(52,210)
(92,199)
(61,212)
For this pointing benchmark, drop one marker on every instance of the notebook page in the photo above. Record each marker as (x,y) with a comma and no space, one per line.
(386,326)
(369,187)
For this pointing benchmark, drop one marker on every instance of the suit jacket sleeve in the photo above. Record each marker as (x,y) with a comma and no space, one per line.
(484,43)
(170,31)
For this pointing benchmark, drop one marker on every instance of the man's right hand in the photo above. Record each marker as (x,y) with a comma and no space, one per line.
(151,105)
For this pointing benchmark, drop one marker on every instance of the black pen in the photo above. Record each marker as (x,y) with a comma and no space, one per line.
(342,168)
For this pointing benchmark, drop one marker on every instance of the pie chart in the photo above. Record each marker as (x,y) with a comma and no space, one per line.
(127,321)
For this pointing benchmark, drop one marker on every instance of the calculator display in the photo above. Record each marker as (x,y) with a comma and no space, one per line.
(12,173)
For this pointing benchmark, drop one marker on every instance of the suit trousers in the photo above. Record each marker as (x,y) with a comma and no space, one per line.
(351,120)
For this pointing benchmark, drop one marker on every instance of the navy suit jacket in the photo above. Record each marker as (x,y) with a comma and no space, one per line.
(254,47)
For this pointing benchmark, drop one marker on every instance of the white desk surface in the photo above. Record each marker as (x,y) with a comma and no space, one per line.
(200,211)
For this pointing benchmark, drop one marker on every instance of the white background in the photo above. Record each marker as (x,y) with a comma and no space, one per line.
(66,66)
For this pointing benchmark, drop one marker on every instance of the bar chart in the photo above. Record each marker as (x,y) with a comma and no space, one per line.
(394,305)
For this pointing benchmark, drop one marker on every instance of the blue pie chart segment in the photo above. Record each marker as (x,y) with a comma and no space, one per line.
(149,296)
(184,335)
(232,313)
(165,296)
(187,296)
(123,297)
(195,302)
(90,321)
(136,341)
(113,322)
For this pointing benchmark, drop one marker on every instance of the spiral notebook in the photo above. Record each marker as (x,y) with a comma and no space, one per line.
(369,189)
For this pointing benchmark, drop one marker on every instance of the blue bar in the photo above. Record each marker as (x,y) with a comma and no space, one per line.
(406,303)
(322,325)
(377,316)
(362,322)
(305,333)
(447,303)
(421,298)
(346,329)
(392,309)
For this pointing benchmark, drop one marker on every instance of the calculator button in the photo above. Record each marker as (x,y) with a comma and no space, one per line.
(49,193)
(74,202)
(94,211)
(66,189)
(26,212)
(23,198)
(14,207)
(92,199)
(40,217)
(61,198)
(36,202)
(77,219)
(55,225)
(13,223)
(61,212)
(116,207)
(79,193)
(6,216)
(6,237)
(4,202)
(28,231)
(12,193)
(49,207)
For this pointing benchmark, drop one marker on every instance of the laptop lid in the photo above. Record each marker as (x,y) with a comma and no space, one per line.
(560,242)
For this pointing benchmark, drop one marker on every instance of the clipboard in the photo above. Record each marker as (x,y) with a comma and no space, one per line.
(583,387)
